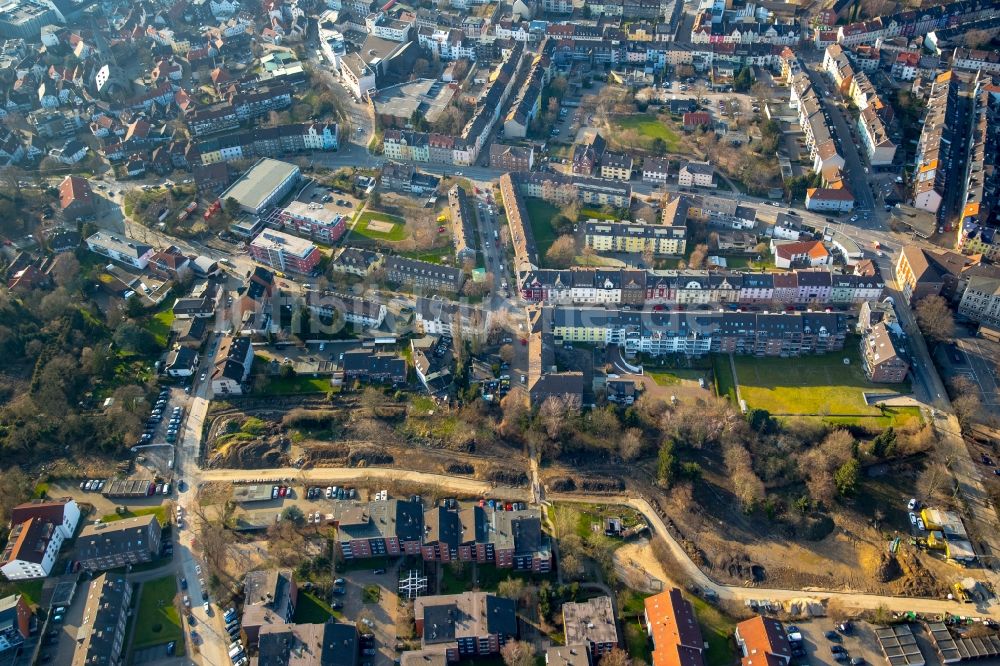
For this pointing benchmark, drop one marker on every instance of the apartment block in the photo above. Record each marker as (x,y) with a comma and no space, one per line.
(111,545)
(284,252)
(633,237)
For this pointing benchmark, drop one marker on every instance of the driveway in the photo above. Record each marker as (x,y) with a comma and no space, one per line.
(382,614)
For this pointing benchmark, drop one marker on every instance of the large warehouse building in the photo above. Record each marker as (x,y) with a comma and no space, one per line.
(263,185)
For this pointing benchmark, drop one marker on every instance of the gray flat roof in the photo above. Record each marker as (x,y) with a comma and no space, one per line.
(257,184)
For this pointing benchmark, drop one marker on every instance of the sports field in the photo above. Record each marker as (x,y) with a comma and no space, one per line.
(381,226)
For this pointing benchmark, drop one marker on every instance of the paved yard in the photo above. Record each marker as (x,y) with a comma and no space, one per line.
(860,643)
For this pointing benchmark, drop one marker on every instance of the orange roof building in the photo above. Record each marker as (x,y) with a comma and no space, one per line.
(673,626)
(764,642)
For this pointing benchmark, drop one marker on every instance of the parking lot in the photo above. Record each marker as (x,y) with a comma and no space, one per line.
(860,642)
(381,614)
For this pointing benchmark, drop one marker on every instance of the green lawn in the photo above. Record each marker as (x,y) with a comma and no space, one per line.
(312,610)
(159,325)
(724,384)
(812,385)
(540,214)
(158,620)
(397,234)
(371,594)
(295,385)
(588,213)
(637,640)
(674,377)
(443,256)
(31,590)
(717,630)
(159,511)
(650,128)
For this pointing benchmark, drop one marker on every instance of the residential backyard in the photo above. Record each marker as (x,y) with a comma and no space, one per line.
(648,128)
(158,619)
(540,214)
(821,386)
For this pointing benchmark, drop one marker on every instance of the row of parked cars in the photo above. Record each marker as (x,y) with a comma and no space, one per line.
(330,492)
(237,653)
(95,485)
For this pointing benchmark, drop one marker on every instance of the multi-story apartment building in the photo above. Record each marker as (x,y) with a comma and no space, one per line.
(699,332)
(981,301)
(697,174)
(507,539)
(463,226)
(127,252)
(512,158)
(284,252)
(467,625)
(923,273)
(231,365)
(423,274)
(101,636)
(348,308)
(269,598)
(874,135)
(881,358)
(935,158)
(38,530)
(309,220)
(655,170)
(269,142)
(379,528)
(636,238)
(15,622)
(980,216)
(110,545)
(673,627)
(698,287)
(591,623)
(616,166)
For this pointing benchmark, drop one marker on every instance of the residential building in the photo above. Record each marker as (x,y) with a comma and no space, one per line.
(616,166)
(763,641)
(881,358)
(262,186)
(981,301)
(181,362)
(925,273)
(269,599)
(101,636)
(109,545)
(354,261)
(313,220)
(376,367)
(591,623)
(506,539)
(467,625)
(935,158)
(695,119)
(128,252)
(979,220)
(76,199)
(284,252)
(15,622)
(696,174)
(378,528)
(587,155)
(463,224)
(874,135)
(567,655)
(837,200)
(434,316)
(349,309)
(38,530)
(231,366)
(655,170)
(801,253)
(512,158)
(635,238)
(328,644)
(673,627)
(423,274)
